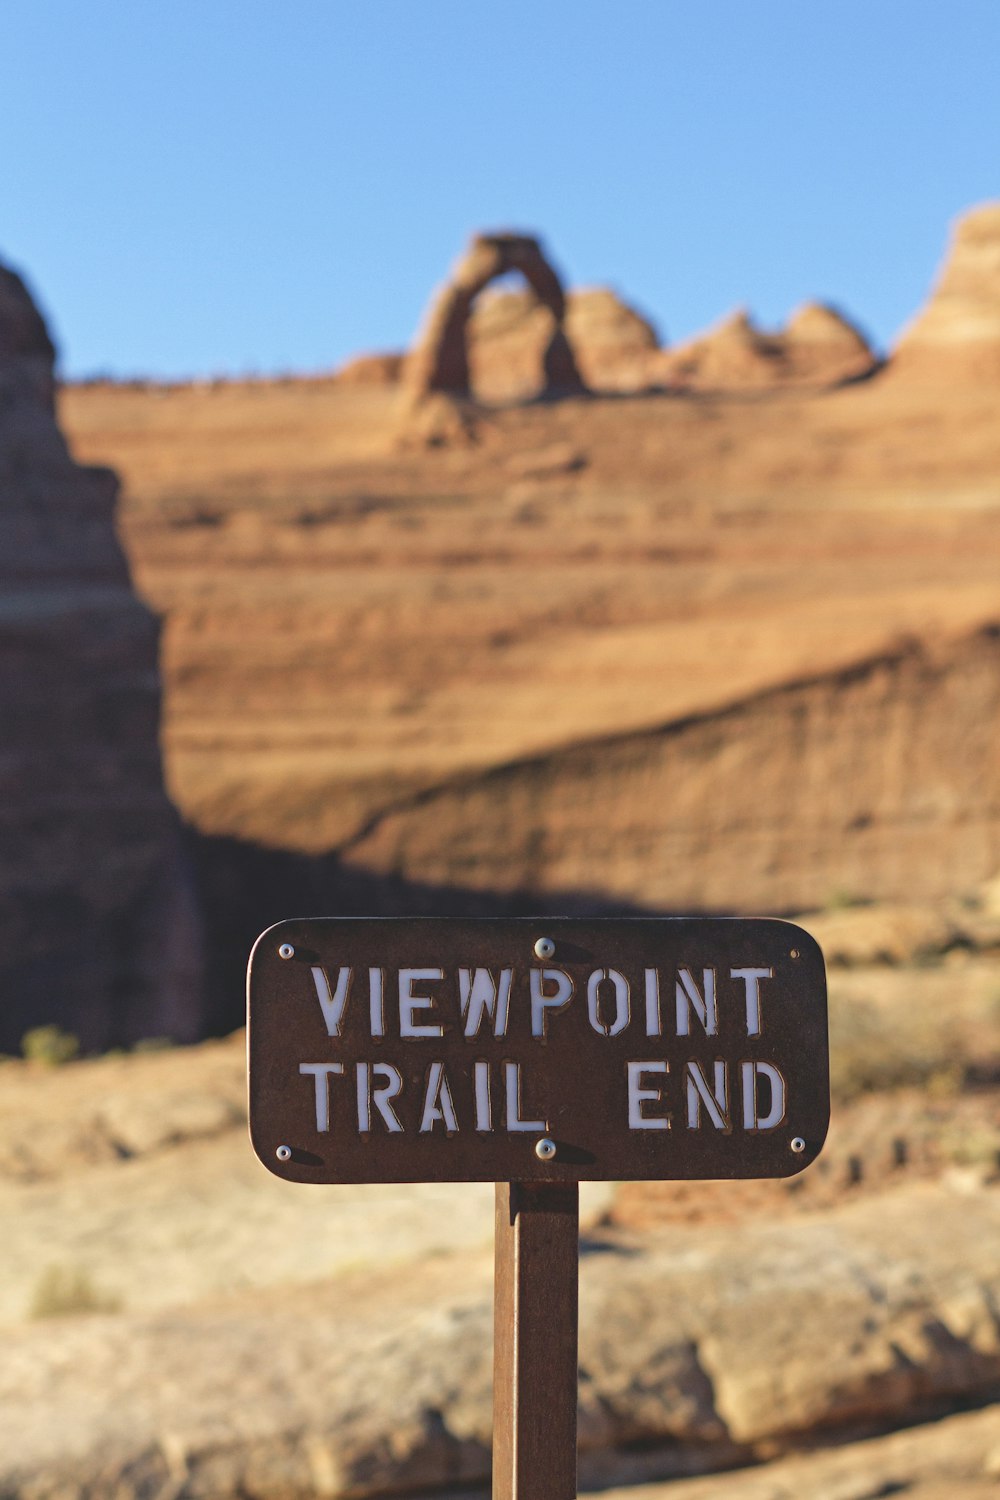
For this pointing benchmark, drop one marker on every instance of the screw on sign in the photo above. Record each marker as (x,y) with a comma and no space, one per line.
(536,1055)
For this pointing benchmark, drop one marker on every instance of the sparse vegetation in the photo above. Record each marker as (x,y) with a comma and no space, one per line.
(154,1044)
(68,1291)
(49,1045)
(842,899)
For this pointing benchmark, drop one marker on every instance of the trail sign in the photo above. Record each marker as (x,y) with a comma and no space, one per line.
(446,1050)
(536,1054)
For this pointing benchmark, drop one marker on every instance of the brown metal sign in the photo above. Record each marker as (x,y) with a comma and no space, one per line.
(452,1050)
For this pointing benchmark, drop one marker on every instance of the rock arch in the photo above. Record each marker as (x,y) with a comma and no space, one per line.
(440,362)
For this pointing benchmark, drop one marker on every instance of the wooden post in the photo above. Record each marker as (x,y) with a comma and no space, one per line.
(536,1280)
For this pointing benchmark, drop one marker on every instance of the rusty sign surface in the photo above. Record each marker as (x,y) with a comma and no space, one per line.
(451,1050)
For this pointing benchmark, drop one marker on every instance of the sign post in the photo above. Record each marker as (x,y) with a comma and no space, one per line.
(536,1054)
(536,1272)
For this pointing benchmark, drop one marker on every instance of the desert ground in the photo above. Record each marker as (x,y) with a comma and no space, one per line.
(176,1320)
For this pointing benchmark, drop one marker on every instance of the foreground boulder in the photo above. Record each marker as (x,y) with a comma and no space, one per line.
(699,1349)
(956,1457)
(98,924)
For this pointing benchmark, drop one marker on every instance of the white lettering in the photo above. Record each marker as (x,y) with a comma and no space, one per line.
(376,1008)
(622,1001)
(654,1024)
(688,995)
(638,1095)
(540,1002)
(321,1073)
(363,1080)
(380,1097)
(479,995)
(751,1119)
(409,1002)
(751,979)
(484,1111)
(715,1100)
(512,1077)
(332,1005)
(438,1103)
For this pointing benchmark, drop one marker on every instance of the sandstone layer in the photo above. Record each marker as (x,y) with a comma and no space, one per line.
(840,783)
(99,929)
(593,590)
(954,1459)
(957,335)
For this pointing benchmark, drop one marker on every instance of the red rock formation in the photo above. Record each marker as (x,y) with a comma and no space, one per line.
(822,346)
(613,341)
(818,347)
(96,916)
(440,362)
(508,331)
(735,353)
(957,335)
(515,345)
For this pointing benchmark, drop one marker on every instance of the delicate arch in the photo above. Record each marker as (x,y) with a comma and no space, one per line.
(440,362)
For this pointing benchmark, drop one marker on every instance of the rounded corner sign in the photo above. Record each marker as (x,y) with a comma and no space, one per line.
(453,1050)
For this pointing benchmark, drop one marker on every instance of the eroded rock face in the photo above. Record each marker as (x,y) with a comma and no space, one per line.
(843,783)
(958,332)
(96,917)
(440,362)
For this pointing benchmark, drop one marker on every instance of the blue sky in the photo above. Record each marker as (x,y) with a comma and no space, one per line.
(225,186)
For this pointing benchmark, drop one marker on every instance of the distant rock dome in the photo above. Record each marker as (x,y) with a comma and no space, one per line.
(819,346)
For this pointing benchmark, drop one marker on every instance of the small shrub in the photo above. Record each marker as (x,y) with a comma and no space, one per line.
(154,1044)
(66,1292)
(842,899)
(49,1045)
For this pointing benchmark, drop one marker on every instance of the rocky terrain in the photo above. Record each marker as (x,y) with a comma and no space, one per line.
(178,1321)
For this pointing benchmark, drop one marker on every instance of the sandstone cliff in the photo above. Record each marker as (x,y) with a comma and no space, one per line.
(957,335)
(350,628)
(97,925)
(881,780)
